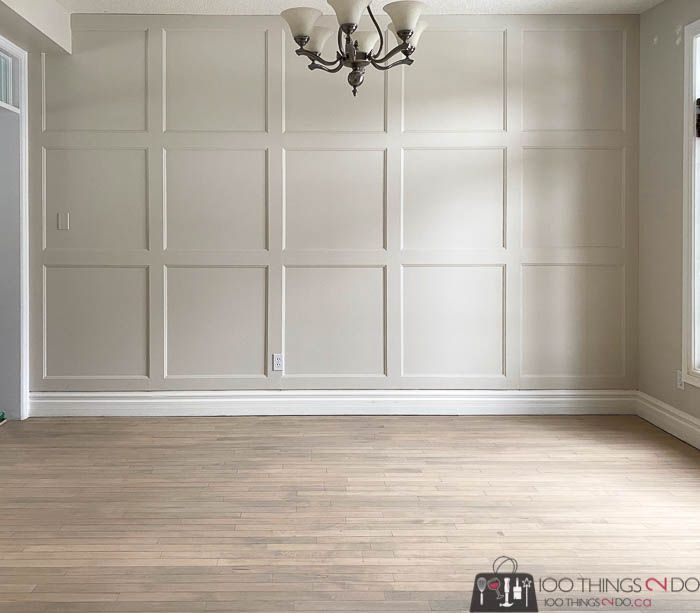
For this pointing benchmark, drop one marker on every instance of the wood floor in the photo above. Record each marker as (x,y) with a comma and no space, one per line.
(361,514)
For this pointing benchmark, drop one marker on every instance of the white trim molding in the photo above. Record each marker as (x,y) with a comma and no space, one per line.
(691,331)
(679,423)
(22,84)
(332,402)
(437,7)
(368,402)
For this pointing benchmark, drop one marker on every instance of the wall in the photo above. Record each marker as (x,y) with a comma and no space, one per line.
(10,319)
(469,223)
(36,25)
(661,203)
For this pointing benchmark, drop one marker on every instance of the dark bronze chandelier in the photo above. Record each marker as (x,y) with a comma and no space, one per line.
(356,48)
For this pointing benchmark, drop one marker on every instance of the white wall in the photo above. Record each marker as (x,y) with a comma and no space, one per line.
(36,25)
(661,202)
(10,318)
(470,224)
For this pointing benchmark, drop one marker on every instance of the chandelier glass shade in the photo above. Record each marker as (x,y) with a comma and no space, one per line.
(318,39)
(357,49)
(420,28)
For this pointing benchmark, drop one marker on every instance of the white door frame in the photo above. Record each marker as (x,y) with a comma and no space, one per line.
(690,373)
(22,106)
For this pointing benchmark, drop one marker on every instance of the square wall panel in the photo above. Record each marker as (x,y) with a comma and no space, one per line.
(327,206)
(216,80)
(104,191)
(453,199)
(319,102)
(96,322)
(572,197)
(215,320)
(457,83)
(453,321)
(573,80)
(334,321)
(573,320)
(216,200)
(100,86)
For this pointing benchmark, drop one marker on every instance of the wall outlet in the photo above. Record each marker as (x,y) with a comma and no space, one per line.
(680,384)
(277,361)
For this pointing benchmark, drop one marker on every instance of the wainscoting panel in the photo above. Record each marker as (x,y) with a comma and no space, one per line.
(102,86)
(443,306)
(469,222)
(468,69)
(573,323)
(454,198)
(215,79)
(573,197)
(334,321)
(574,80)
(345,208)
(215,321)
(215,199)
(96,322)
(104,211)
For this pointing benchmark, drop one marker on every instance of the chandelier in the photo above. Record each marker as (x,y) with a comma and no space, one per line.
(356,48)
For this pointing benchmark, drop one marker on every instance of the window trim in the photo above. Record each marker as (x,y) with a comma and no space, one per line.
(691,242)
(9,101)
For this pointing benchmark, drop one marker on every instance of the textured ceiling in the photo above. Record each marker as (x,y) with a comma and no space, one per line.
(273,7)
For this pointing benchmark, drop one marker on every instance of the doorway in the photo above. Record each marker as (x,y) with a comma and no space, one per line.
(14,388)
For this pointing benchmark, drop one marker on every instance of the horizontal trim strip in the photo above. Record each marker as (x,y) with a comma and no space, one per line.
(341,402)
(368,402)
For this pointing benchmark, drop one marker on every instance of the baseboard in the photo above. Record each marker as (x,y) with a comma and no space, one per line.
(340,402)
(679,423)
(368,402)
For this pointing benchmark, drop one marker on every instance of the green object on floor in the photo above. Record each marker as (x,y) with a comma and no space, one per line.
(2,415)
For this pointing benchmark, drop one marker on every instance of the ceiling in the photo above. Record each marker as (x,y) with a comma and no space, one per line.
(273,7)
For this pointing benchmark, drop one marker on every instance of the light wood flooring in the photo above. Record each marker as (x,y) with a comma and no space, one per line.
(361,514)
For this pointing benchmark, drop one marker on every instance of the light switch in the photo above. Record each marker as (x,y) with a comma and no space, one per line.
(63,221)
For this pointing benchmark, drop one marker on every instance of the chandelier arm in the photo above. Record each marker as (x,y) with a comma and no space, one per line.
(392,53)
(316,57)
(407,61)
(315,66)
(379,30)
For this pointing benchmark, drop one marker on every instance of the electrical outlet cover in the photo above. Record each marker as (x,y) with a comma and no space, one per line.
(680,384)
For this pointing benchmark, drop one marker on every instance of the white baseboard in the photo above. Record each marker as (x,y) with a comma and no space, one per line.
(670,419)
(368,402)
(340,402)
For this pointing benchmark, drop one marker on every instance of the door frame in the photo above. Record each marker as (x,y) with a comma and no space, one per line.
(690,373)
(20,56)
